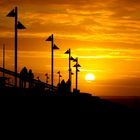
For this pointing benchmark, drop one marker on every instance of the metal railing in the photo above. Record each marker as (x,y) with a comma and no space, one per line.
(34,81)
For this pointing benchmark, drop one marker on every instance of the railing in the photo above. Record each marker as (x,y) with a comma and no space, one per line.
(35,82)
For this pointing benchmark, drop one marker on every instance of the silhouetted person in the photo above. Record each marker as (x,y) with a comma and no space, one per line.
(30,78)
(23,77)
(62,87)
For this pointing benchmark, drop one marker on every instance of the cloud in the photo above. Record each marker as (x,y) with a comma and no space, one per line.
(106,53)
(113,21)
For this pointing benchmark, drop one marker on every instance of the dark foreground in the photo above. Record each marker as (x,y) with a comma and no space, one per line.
(38,111)
(82,102)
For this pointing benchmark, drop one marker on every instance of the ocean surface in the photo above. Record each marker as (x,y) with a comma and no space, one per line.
(129,101)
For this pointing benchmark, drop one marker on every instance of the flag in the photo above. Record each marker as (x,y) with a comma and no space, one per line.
(20,26)
(11,13)
(72,73)
(75,60)
(49,38)
(58,72)
(76,65)
(55,47)
(60,75)
(71,58)
(67,52)
(78,70)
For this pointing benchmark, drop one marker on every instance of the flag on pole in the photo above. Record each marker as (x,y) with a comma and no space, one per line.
(78,70)
(72,73)
(58,72)
(49,38)
(74,60)
(71,58)
(20,26)
(55,47)
(76,65)
(67,52)
(11,13)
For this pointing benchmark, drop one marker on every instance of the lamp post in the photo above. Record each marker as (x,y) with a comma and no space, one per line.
(71,77)
(70,71)
(53,47)
(76,66)
(18,25)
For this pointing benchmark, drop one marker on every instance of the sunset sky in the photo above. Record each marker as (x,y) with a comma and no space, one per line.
(104,35)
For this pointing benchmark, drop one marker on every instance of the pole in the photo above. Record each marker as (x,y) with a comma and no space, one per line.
(76,74)
(3,60)
(16,42)
(70,68)
(52,61)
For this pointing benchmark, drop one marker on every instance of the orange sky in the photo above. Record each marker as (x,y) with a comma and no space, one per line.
(104,35)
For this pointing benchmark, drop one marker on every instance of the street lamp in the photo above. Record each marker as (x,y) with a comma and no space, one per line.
(53,47)
(77,70)
(70,71)
(18,25)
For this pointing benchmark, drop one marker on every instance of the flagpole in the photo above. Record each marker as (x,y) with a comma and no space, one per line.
(70,68)
(16,42)
(76,73)
(76,66)
(52,60)
(18,25)
(53,47)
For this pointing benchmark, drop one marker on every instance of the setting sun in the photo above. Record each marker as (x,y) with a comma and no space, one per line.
(89,77)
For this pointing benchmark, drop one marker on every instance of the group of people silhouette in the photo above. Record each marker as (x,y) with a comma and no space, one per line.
(25,76)
(64,87)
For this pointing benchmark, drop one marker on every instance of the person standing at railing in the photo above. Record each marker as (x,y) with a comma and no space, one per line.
(23,77)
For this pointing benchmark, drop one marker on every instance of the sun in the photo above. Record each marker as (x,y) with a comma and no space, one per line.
(89,77)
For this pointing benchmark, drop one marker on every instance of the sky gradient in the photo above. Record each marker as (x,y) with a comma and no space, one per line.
(104,35)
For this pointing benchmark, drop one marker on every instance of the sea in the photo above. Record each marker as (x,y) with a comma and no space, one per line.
(129,101)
